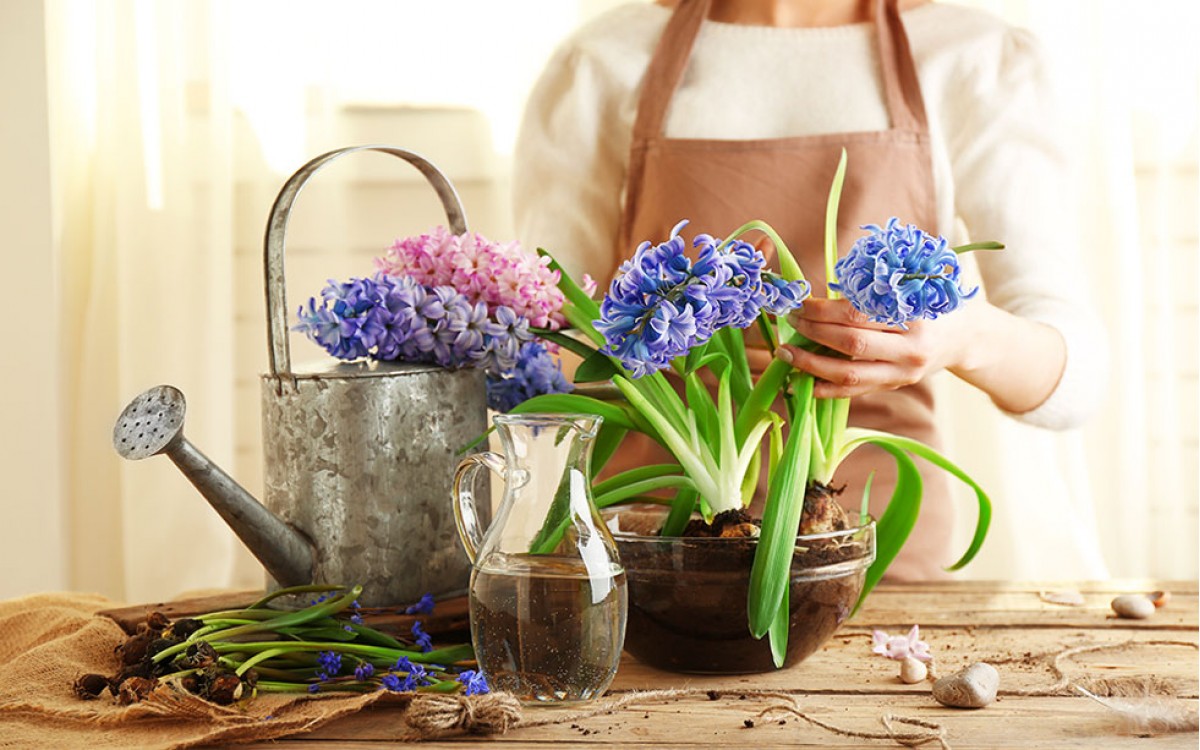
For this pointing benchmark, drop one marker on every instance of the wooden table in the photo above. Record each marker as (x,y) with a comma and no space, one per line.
(846,686)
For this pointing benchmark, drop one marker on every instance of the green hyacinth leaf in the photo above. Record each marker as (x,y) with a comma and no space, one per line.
(608,439)
(583,321)
(897,521)
(892,529)
(857,436)
(639,474)
(831,214)
(596,367)
(732,344)
(682,508)
(771,570)
(571,403)
(637,489)
(778,634)
(700,402)
(571,290)
(566,341)
(977,246)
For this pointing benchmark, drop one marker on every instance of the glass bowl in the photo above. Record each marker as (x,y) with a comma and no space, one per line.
(687,596)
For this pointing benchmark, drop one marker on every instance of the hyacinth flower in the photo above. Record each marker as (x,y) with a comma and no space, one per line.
(667,311)
(898,273)
(454,301)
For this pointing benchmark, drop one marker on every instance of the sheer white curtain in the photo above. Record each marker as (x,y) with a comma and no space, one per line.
(140,127)
(173,125)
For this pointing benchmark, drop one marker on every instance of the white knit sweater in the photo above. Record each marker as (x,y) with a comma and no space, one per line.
(998,164)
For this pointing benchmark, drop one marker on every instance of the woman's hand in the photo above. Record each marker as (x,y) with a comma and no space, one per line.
(879,357)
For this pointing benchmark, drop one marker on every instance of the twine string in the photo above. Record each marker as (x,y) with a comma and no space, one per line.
(432,714)
(496,713)
(1062,682)
(934,732)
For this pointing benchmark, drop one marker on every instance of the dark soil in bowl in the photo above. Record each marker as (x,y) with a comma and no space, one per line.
(687,600)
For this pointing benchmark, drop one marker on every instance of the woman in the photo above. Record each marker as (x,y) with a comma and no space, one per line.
(720,111)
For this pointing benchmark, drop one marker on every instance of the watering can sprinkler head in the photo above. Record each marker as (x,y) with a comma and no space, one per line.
(153,423)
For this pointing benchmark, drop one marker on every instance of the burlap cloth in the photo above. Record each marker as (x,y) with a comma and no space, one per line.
(48,640)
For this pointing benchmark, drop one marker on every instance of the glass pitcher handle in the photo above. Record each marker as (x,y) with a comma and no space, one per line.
(463,491)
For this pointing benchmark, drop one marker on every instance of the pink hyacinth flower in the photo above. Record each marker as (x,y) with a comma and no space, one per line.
(900,647)
(497,274)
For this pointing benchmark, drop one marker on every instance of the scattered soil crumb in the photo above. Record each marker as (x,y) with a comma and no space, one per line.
(713,695)
(748,723)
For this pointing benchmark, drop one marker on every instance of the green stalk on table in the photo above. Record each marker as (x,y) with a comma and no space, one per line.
(234,654)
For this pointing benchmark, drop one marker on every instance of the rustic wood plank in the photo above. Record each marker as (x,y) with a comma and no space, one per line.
(1113,586)
(129,617)
(846,664)
(1060,722)
(1017,607)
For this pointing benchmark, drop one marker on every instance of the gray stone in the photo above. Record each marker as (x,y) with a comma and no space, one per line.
(973,687)
(1133,606)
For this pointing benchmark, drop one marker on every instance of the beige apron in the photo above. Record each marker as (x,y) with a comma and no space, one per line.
(721,184)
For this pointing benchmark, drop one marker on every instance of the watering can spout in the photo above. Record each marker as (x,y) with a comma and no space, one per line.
(153,424)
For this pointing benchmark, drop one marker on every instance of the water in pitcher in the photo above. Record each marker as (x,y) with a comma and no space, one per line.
(548,628)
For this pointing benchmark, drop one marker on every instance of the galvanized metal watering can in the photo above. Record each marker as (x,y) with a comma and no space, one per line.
(359,458)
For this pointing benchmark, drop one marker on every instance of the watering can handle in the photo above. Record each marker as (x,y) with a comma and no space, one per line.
(463,491)
(277,317)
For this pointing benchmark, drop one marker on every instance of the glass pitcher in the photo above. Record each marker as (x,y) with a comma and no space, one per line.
(548,598)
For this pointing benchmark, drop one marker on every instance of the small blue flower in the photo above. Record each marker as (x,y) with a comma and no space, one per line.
(363,671)
(423,639)
(314,687)
(474,681)
(403,664)
(535,373)
(898,273)
(330,662)
(415,675)
(781,296)
(423,607)
(392,682)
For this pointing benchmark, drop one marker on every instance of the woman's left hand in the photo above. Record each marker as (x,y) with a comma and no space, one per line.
(880,357)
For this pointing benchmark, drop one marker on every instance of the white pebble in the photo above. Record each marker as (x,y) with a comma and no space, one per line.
(973,687)
(912,671)
(1133,606)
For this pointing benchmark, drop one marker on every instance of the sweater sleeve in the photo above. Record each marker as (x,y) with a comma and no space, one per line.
(1011,177)
(569,163)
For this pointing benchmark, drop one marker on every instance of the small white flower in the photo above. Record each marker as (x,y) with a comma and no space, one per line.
(899,647)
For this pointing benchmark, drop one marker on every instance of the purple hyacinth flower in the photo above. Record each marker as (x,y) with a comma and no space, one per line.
(898,273)
(474,682)
(423,640)
(535,373)
(423,606)
(392,682)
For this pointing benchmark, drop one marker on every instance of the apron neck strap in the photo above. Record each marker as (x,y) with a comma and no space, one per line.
(667,66)
(906,107)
